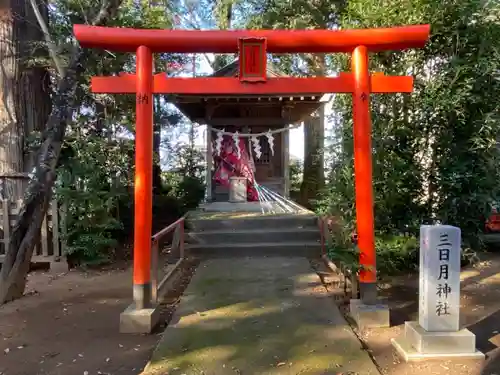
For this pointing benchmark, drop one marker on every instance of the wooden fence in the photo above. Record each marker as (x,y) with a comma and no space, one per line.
(50,247)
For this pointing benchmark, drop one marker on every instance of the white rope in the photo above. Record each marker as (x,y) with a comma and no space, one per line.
(248,135)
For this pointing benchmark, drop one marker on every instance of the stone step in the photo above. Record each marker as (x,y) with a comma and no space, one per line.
(259,249)
(290,221)
(309,234)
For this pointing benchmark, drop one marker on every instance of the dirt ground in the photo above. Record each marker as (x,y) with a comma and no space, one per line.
(68,325)
(480,313)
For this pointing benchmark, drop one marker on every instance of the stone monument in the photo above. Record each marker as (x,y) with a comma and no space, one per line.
(437,333)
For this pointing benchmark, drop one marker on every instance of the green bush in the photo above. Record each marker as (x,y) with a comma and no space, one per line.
(395,254)
(190,191)
(166,209)
(95,184)
(91,244)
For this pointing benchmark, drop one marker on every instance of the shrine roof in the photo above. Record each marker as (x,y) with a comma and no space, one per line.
(217,110)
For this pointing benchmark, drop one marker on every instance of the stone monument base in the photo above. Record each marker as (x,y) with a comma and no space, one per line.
(369,316)
(417,344)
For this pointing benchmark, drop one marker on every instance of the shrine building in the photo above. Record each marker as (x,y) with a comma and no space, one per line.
(244,113)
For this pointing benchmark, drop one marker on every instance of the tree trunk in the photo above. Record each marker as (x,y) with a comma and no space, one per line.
(11,133)
(100,126)
(223,18)
(26,102)
(34,100)
(313,179)
(39,191)
(313,173)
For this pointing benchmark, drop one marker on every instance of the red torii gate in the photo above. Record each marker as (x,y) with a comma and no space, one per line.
(252,47)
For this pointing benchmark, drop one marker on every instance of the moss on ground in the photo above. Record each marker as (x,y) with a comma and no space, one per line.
(257,316)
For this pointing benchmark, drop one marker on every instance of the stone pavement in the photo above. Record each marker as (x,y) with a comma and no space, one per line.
(265,316)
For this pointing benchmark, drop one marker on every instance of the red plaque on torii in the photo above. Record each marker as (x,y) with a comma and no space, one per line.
(252,59)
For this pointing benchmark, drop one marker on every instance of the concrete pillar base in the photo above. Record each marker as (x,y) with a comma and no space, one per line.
(134,320)
(369,316)
(417,344)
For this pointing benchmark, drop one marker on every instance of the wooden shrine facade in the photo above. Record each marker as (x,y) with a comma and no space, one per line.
(252,47)
(250,114)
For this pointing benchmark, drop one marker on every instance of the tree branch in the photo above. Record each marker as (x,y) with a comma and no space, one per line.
(45,30)
(108,9)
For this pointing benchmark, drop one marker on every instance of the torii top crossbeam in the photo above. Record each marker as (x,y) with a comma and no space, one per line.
(226,41)
(252,47)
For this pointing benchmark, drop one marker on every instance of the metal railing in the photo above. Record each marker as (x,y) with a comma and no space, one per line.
(159,277)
